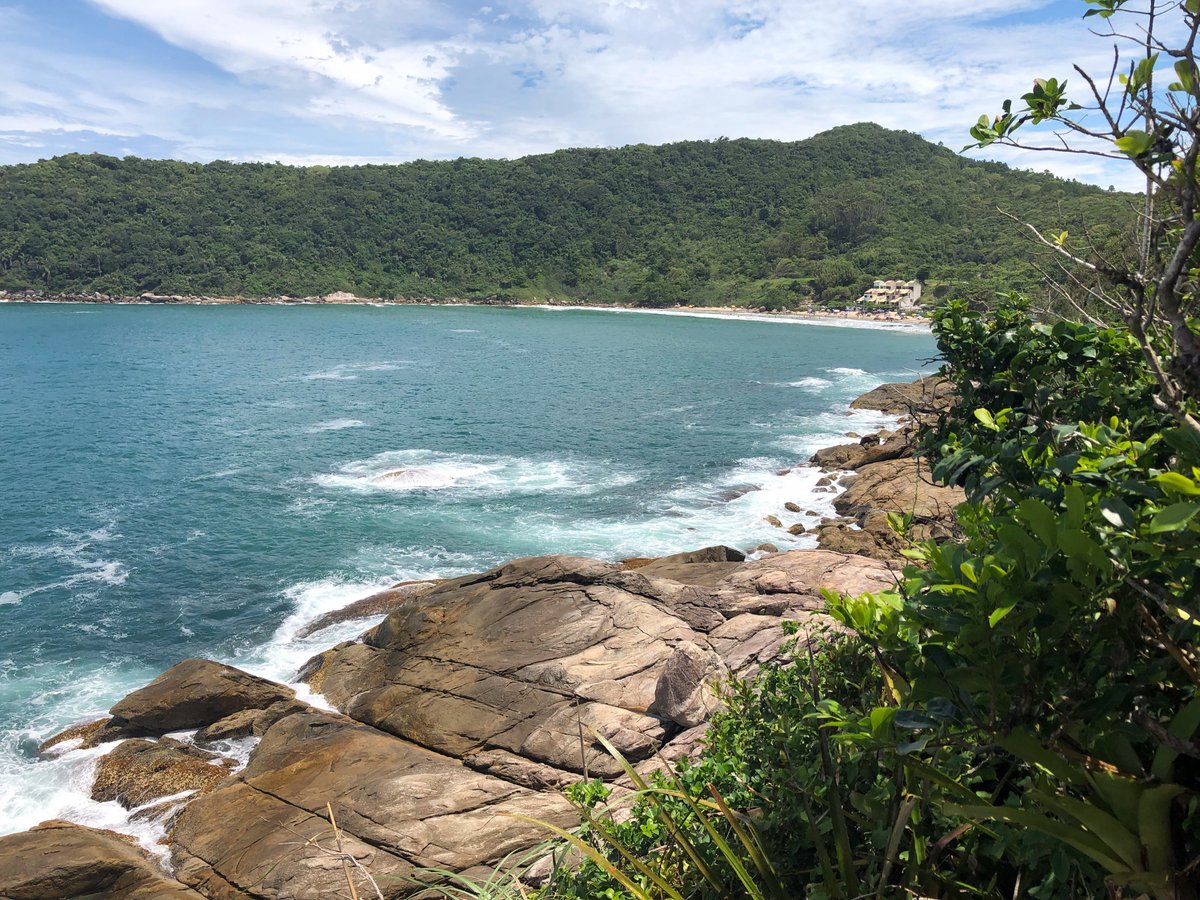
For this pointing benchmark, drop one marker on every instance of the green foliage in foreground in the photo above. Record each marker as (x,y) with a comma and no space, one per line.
(1063,631)
(727,221)
(1019,718)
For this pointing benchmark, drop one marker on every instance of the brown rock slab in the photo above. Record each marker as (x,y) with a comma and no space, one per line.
(248,722)
(191,694)
(903,486)
(238,842)
(59,860)
(377,604)
(931,393)
(85,732)
(686,692)
(802,574)
(398,806)
(522,658)
(865,452)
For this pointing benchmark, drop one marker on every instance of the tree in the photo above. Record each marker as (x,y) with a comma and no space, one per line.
(1127,115)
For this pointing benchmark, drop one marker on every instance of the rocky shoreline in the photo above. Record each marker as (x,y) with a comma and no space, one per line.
(473,702)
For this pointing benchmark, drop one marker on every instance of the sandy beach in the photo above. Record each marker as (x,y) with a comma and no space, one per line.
(849,317)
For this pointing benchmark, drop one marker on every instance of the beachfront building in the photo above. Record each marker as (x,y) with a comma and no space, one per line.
(900,295)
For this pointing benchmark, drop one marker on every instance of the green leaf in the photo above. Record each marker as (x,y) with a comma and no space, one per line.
(1040,519)
(1177,483)
(1116,512)
(986,419)
(1184,726)
(913,720)
(999,614)
(1075,836)
(881,719)
(1154,825)
(1174,518)
(1119,837)
(1135,142)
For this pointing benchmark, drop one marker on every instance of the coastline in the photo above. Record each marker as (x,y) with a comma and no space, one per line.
(811,317)
(735,628)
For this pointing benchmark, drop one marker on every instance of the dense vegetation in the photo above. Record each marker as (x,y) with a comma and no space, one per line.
(743,221)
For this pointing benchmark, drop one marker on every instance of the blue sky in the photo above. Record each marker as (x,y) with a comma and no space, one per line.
(346,81)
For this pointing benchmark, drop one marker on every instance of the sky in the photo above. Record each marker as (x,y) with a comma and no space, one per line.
(331,82)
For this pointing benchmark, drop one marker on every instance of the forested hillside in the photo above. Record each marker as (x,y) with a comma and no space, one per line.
(750,221)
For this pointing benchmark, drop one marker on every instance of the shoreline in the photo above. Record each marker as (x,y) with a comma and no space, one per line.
(813,317)
(152,826)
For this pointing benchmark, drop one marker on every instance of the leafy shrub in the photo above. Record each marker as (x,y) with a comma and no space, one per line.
(1057,643)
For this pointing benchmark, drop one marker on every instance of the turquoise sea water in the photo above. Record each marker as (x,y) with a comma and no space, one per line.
(181,481)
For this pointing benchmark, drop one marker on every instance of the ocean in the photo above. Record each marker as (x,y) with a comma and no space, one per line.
(184,481)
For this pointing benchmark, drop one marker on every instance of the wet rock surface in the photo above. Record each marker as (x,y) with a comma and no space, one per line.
(882,475)
(140,771)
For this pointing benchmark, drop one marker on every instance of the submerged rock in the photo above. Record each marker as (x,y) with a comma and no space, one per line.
(138,771)
(85,732)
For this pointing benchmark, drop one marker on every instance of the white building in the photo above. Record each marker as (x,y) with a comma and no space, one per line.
(901,295)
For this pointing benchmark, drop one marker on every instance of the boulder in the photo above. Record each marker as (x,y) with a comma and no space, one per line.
(140,771)
(192,694)
(797,529)
(792,507)
(774,521)
(700,567)
(842,538)
(869,450)
(899,485)
(59,860)
(925,395)
(686,692)
(248,722)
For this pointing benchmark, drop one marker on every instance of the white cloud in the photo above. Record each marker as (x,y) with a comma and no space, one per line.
(400,79)
(323,50)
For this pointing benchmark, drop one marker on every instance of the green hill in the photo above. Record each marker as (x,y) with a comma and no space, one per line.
(752,221)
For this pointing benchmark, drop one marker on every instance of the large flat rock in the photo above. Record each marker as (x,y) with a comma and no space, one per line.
(525,658)
(469,707)
(399,807)
(61,861)
(921,397)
